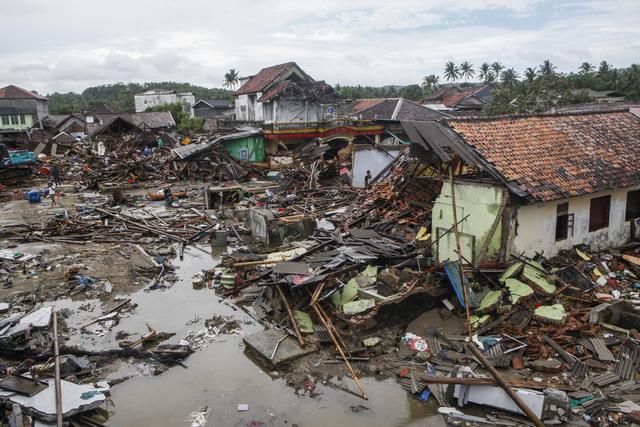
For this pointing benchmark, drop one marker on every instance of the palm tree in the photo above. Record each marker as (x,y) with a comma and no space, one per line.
(547,68)
(490,77)
(451,71)
(466,70)
(430,82)
(497,68)
(530,74)
(485,69)
(604,69)
(509,77)
(586,68)
(231,79)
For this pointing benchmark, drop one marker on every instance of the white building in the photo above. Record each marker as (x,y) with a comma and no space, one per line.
(540,183)
(152,98)
(283,93)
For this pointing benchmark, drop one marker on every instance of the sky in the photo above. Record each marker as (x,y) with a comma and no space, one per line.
(52,45)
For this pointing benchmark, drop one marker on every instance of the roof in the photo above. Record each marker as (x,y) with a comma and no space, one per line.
(557,156)
(393,109)
(151,120)
(296,90)
(63,138)
(215,103)
(100,109)
(264,78)
(15,92)
(8,111)
(451,96)
(187,151)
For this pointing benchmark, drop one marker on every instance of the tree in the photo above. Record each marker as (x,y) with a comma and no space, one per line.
(412,92)
(231,79)
(547,69)
(604,69)
(485,69)
(451,71)
(466,70)
(490,77)
(509,77)
(430,82)
(497,68)
(530,74)
(586,68)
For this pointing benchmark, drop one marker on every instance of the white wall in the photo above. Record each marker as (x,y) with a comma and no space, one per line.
(372,159)
(242,106)
(537,225)
(145,101)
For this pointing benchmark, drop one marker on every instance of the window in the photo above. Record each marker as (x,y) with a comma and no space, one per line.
(633,205)
(564,222)
(599,213)
(22,119)
(5,120)
(14,120)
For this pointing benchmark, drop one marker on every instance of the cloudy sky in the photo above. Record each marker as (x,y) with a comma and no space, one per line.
(52,45)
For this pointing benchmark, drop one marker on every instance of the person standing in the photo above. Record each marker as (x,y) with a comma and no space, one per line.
(367,179)
(51,192)
(55,173)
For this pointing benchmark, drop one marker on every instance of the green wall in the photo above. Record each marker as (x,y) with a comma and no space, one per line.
(253,144)
(6,123)
(482,203)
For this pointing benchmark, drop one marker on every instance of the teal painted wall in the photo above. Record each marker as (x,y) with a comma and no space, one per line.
(253,144)
(16,122)
(482,203)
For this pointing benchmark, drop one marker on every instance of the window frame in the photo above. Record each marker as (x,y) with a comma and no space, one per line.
(562,210)
(627,216)
(607,215)
(5,120)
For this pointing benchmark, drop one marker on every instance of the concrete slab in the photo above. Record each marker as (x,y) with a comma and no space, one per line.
(262,343)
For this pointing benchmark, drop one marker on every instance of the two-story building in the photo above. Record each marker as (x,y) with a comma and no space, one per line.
(20,109)
(153,98)
(284,93)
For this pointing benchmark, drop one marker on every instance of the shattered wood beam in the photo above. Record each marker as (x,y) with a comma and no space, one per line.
(58,385)
(513,382)
(516,399)
(292,318)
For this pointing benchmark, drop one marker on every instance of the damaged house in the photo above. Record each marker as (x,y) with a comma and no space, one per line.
(20,109)
(467,99)
(539,183)
(283,93)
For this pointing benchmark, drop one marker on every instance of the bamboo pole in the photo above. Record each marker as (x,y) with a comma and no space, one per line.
(344,357)
(457,234)
(516,399)
(58,384)
(291,317)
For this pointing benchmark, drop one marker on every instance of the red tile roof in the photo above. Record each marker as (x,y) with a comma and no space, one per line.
(362,104)
(15,92)
(264,78)
(556,156)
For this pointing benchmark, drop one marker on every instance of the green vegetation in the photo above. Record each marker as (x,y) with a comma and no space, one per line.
(119,96)
(184,123)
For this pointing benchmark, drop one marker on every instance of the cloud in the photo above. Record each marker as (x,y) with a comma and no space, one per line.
(358,41)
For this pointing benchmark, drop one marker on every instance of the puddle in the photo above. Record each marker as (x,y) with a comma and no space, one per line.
(220,376)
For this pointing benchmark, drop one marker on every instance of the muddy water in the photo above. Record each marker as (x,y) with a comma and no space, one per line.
(221,376)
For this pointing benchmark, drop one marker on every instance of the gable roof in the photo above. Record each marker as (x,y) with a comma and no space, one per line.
(265,78)
(215,103)
(452,96)
(557,156)
(315,90)
(15,92)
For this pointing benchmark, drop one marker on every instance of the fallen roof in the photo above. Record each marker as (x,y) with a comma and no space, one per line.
(264,78)
(187,151)
(15,92)
(556,156)
(393,109)
(316,90)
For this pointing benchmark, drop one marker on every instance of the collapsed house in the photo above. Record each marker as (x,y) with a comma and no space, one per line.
(468,99)
(539,183)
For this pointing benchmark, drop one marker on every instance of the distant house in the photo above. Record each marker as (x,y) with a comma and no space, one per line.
(212,108)
(124,122)
(74,124)
(20,109)
(390,109)
(538,183)
(283,93)
(153,98)
(466,98)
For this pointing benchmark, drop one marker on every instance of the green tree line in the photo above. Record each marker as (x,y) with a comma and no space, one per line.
(119,96)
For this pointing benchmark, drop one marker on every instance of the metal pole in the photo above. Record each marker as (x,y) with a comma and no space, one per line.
(56,355)
(516,399)
(457,234)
